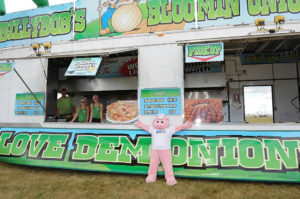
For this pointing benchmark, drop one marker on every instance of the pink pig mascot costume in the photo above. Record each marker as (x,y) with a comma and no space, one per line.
(161,134)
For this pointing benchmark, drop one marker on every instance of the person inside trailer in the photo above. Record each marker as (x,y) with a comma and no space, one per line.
(65,107)
(82,112)
(96,110)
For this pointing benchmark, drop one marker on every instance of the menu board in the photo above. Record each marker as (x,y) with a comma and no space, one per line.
(26,104)
(83,66)
(160,101)
(6,68)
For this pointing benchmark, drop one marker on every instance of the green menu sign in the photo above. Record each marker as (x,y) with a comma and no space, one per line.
(160,101)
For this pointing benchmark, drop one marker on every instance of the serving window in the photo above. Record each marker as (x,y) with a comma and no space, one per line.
(115,82)
(258,82)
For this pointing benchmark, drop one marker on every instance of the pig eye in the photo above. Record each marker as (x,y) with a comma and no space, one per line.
(157,122)
(161,121)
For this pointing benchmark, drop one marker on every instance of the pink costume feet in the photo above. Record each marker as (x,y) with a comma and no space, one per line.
(150,179)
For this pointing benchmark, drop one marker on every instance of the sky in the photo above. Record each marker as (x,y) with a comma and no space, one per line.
(20,5)
(258,99)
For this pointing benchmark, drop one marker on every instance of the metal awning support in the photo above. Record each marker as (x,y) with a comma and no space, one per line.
(296,47)
(279,45)
(29,89)
(262,46)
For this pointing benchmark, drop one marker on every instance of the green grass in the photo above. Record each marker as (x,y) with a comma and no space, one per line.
(259,119)
(20,182)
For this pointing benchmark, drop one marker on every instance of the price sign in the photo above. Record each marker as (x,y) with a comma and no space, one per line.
(26,104)
(160,101)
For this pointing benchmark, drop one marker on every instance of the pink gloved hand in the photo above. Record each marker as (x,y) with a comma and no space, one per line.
(138,124)
(187,125)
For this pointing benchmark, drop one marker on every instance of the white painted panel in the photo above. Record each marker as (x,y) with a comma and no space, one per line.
(230,66)
(161,67)
(204,80)
(285,70)
(285,91)
(256,72)
(32,73)
(5,86)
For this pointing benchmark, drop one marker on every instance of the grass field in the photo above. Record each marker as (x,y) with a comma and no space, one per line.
(259,119)
(20,182)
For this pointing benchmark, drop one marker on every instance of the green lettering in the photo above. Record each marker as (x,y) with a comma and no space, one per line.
(19,144)
(229,159)
(191,51)
(166,16)
(219,9)
(208,152)
(86,146)
(17,33)
(11,29)
(278,153)
(38,141)
(254,160)
(206,8)
(55,24)
(232,8)
(254,7)
(65,26)
(294,6)
(139,151)
(177,10)
(26,32)
(4,146)
(154,12)
(45,26)
(55,148)
(106,152)
(282,6)
(35,21)
(267,6)
(3,31)
(180,157)
(218,49)
(80,23)
(189,10)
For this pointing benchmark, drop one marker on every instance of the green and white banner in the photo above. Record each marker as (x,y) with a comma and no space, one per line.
(230,155)
(94,18)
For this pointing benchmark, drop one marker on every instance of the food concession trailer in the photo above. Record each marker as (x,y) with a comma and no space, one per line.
(232,67)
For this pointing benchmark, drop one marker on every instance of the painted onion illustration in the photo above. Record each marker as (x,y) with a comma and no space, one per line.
(127,17)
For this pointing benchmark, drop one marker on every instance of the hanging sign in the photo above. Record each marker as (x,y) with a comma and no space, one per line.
(210,52)
(6,68)
(219,154)
(119,67)
(84,66)
(26,104)
(160,101)
(200,67)
(269,58)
